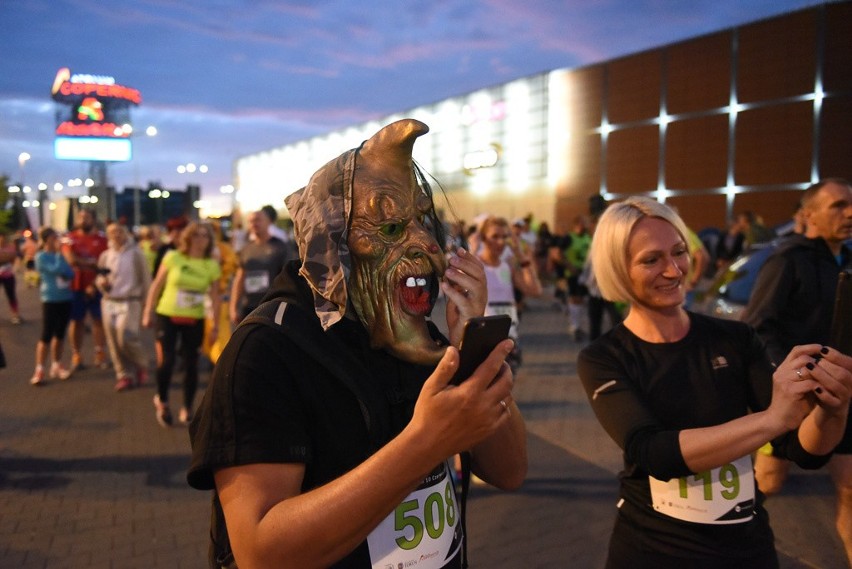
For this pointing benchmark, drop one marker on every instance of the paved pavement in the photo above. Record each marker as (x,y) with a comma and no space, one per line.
(88,478)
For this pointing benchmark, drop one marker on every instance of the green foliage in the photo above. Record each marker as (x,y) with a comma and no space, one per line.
(6,213)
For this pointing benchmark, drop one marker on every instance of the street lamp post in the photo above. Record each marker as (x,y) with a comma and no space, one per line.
(22,161)
(159,195)
(193,169)
(150,132)
(15,192)
(229,191)
(43,201)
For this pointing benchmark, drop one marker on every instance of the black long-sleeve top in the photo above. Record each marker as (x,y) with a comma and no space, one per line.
(644,394)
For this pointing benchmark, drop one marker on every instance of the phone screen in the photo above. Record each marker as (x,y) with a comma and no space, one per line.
(841,324)
(481,336)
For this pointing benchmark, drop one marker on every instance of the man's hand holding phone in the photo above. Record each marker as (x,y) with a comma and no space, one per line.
(454,418)
(478,414)
(481,335)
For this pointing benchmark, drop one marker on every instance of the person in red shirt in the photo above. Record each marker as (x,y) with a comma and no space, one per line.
(83,246)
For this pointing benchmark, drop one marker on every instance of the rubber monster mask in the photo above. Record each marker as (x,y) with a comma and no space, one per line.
(362,225)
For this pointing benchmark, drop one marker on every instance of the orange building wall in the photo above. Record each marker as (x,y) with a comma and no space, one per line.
(767,150)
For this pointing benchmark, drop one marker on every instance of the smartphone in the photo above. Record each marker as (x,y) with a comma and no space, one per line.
(841,323)
(481,335)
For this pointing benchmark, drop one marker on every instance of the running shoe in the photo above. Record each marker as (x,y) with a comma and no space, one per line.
(16,319)
(141,377)
(124,383)
(101,361)
(59,372)
(77,362)
(164,416)
(38,377)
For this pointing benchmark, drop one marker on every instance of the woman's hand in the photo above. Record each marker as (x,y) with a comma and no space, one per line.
(826,376)
(466,291)
(832,370)
(792,391)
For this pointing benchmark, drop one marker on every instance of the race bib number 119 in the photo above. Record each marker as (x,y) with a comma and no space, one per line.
(723,495)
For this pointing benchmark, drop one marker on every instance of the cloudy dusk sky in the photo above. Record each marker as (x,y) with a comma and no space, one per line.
(221,79)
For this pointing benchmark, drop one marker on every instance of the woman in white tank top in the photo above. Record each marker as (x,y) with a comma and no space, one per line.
(504,272)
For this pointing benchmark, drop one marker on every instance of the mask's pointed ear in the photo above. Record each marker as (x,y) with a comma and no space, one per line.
(392,145)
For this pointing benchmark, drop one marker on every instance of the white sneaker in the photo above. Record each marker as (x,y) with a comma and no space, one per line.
(59,372)
(164,416)
(38,376)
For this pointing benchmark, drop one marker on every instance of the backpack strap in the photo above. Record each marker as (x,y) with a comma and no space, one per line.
(302,329)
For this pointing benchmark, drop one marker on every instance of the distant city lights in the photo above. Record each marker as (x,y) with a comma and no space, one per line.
(191,168)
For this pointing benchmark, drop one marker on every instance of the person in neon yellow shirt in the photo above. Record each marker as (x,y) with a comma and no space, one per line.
(185,275)
(579,240)
(228,261)
(149,243)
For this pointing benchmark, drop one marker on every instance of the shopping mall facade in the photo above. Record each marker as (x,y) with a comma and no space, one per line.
(741,119)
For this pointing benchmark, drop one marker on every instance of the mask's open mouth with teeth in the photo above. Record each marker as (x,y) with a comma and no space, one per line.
(414,293)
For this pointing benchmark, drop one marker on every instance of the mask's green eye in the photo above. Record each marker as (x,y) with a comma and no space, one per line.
(392,229)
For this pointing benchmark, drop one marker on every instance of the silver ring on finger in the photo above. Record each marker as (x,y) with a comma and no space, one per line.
(505,406)
(799,373)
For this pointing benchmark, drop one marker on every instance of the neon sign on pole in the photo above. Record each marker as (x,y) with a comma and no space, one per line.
(98,106)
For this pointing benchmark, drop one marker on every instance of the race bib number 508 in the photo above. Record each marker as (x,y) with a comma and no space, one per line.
(423,530)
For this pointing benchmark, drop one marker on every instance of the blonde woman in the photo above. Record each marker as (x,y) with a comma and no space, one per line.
(176,303)
(689,398)
(507,267)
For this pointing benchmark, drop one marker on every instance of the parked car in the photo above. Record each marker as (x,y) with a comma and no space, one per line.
(728,295)
(730,291)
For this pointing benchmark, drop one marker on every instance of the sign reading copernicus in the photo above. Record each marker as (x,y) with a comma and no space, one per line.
(96,125)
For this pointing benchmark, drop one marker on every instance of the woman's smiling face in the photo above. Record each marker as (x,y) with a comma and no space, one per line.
(657,262)
(496,238)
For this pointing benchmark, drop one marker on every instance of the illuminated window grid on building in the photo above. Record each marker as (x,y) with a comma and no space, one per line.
(486,144)
(735,111)
(711,124)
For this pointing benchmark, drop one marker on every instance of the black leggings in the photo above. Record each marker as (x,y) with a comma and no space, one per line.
(9,286)
(624,555)
(597,308)
(191,336)
(55,318)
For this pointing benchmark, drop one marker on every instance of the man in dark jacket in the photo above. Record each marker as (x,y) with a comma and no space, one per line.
(792,303)
(327,429)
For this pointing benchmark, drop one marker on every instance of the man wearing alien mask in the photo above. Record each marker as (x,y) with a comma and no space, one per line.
(329,424)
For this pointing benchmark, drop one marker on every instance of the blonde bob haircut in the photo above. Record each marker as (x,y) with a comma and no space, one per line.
(609,251)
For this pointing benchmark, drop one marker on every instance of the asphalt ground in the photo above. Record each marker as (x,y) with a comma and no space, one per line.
(89,479)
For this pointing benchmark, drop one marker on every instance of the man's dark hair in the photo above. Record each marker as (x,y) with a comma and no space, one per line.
(270,212)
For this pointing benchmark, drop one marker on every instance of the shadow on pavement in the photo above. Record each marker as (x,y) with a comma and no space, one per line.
(33,473)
